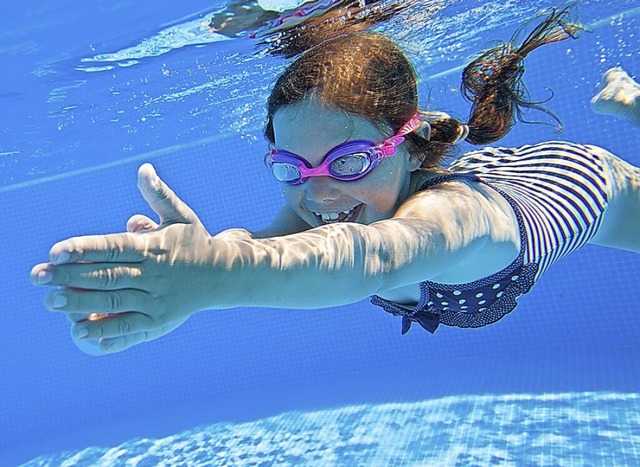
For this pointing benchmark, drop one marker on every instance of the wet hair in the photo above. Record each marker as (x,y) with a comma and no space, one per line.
(340,17)
(366,74)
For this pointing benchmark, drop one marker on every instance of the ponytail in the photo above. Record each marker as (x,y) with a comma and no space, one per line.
(493,84)
(493,81)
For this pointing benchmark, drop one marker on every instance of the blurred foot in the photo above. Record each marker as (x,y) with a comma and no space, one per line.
(620,96)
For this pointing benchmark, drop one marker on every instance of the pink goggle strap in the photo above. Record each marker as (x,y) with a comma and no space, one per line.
(414,123)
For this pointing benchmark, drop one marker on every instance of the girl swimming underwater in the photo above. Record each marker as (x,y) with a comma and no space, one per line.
(370,212)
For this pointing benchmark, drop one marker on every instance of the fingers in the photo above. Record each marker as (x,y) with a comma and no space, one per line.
(81,303)
(118,332)
(125,247)
(77,317)
(128,247)
(111,326)
(162,199)
(94,276)
(118,344)
(140,223)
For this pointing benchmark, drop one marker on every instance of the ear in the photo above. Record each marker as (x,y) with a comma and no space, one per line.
(414,163)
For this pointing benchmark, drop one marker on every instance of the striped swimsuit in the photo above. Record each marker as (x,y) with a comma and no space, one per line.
(558,192)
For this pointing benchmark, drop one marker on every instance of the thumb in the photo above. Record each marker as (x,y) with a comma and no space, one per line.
(162,199)
(140,223)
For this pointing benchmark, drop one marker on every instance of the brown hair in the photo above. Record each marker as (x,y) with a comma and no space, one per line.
(366,74)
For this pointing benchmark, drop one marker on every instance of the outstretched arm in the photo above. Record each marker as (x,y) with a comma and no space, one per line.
(150,281)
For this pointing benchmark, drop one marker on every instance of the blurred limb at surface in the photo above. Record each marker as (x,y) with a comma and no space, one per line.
(620,96)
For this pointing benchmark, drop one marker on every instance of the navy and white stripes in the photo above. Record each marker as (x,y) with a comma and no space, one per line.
(559,192)
(559,187)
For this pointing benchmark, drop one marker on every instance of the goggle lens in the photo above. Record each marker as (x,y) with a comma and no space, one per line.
(284,172)
(350,165)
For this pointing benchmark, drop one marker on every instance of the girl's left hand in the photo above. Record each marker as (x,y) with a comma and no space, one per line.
(124,289)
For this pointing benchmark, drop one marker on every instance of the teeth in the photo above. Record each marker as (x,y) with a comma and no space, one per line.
(332,216)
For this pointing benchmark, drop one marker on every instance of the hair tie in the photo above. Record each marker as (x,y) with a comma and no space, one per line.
(421,123)
(428,117)
(463,132)
(425,130)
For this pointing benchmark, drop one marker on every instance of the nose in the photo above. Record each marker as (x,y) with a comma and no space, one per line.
(321,190)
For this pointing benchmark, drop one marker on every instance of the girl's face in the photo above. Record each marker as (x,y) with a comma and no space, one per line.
(311,130)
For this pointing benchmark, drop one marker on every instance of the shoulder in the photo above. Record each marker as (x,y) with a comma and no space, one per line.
(466,205)
(476,223)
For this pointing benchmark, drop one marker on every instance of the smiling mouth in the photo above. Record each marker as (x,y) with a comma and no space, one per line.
(349,215)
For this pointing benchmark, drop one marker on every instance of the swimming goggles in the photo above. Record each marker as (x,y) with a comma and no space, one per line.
(347,161)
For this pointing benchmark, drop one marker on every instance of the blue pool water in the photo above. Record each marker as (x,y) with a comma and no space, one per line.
(90,90)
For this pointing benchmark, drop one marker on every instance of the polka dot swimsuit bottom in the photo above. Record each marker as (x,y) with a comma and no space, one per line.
(473,304)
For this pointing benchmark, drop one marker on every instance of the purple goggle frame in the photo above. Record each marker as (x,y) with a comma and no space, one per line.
(347,161)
